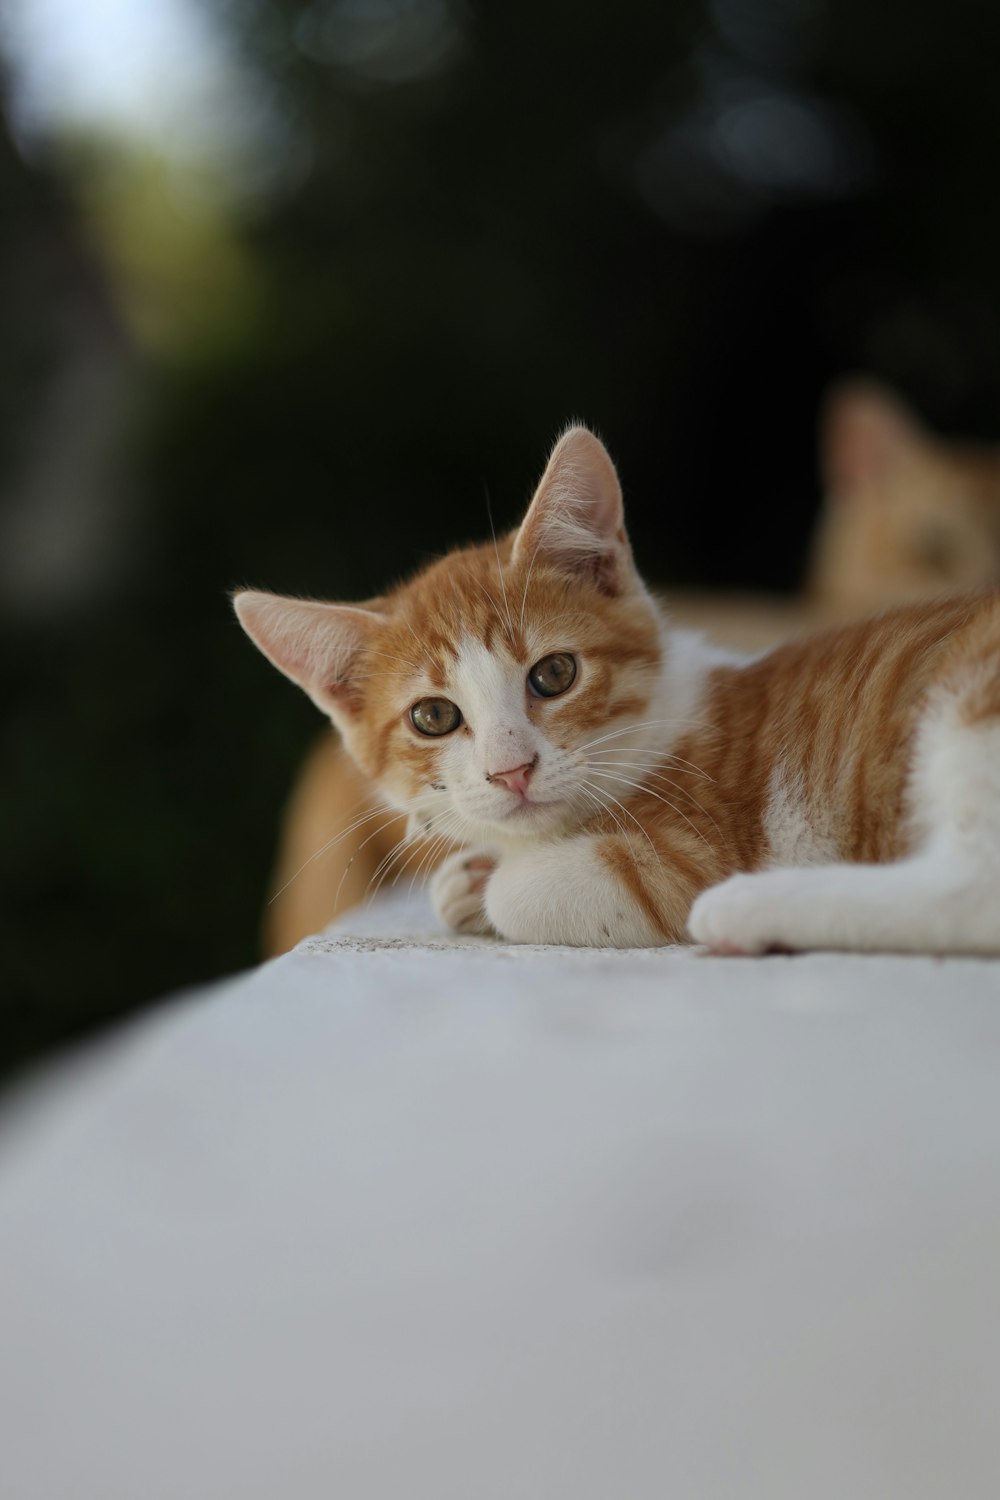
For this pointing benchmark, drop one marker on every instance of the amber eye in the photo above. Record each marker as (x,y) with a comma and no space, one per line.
(552,675)
(435,716)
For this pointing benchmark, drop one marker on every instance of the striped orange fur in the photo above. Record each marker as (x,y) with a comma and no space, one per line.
(667,784)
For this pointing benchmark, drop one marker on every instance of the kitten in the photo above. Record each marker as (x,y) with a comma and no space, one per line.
(617,782)
(905,515)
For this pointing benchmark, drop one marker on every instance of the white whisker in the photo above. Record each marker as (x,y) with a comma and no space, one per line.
(631,815)
(636,728)
(332,841)
(524,592)
(649,773)
(503,585)
(624,780)
(675,762)
(385,865)
(358,850)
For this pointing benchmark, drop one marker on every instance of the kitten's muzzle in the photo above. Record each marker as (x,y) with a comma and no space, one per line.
(515,780)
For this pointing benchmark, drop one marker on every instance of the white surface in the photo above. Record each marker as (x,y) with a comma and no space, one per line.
(476,1223)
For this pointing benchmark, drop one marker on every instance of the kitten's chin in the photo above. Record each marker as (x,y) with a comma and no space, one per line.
(526,812)
(527,819)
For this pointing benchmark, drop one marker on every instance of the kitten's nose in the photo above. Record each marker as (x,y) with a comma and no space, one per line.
(517,779)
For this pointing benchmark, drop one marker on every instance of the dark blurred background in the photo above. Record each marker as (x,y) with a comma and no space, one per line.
(289,287)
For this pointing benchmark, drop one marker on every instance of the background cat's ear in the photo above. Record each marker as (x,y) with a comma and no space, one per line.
(575,520)
(314,644)
(865,432)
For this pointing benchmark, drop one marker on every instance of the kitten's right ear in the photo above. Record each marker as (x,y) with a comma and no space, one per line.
(314,644)
(865,432)
(576,521)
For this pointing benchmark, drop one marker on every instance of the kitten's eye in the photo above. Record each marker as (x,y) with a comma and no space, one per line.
(435,716)
(552,675)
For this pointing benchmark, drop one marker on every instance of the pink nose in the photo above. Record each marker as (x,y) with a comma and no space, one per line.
(516,780)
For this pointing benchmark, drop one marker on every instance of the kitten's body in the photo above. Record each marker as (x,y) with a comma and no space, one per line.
(842,791)
(906,515)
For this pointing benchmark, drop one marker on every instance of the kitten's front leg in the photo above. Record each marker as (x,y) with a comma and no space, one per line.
(934,902)
(587,892)
(458,889)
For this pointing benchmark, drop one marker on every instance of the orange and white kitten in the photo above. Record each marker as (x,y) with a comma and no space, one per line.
(906,515)
(615,782)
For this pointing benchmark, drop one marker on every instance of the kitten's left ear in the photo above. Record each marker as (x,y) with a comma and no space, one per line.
(316,645)
(576,521)
(867,432)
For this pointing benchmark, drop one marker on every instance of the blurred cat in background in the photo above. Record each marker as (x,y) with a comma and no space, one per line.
(906,515)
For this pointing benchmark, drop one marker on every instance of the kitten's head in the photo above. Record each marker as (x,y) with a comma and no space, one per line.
(475,694)
(906,515)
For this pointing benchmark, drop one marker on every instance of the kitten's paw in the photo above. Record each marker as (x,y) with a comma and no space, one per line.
(458,890)
(746,914)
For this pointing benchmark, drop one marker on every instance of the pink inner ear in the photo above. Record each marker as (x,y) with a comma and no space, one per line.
(860,457)
(867,432)
(575,518)
(313,643)
(344,694)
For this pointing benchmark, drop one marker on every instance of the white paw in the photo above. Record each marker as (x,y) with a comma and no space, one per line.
(747,913)
(458,890)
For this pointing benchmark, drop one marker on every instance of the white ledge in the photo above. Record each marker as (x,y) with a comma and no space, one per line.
(413,1216)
